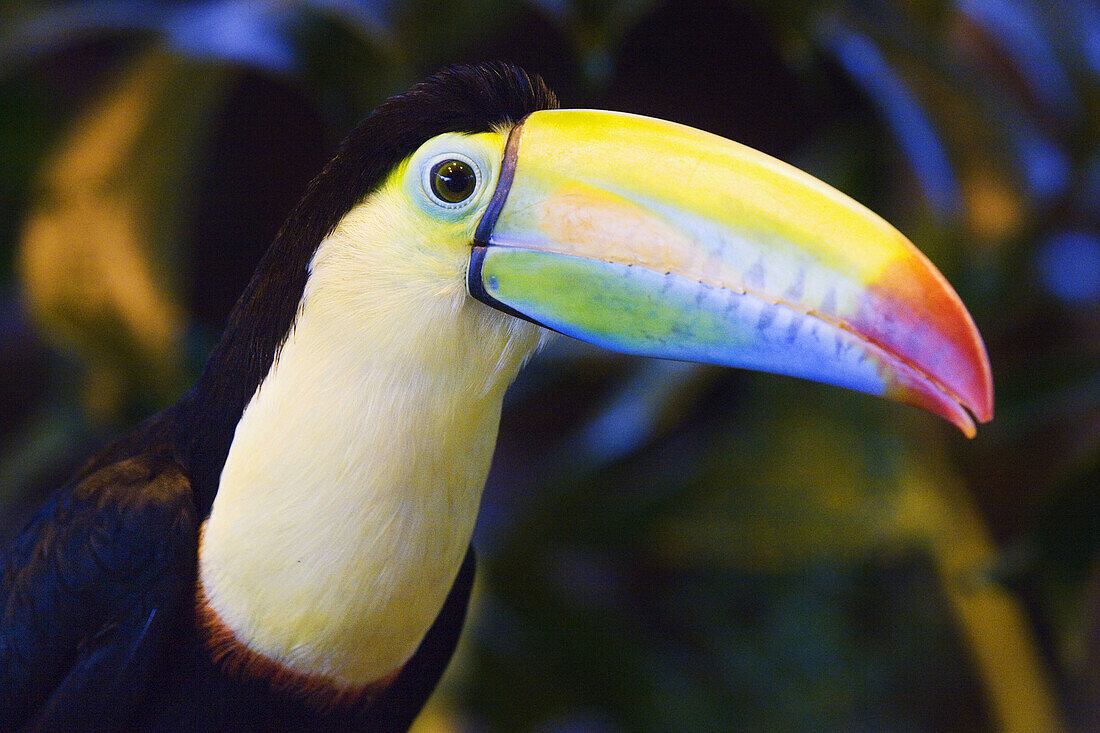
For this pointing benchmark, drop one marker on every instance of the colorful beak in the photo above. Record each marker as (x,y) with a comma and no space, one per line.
(652,238)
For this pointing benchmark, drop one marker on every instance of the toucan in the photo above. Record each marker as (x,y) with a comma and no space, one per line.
(288,546)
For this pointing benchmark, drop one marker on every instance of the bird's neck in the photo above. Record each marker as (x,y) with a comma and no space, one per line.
(351,487)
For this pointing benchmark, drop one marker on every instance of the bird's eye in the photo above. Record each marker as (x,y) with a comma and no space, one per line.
(453,181)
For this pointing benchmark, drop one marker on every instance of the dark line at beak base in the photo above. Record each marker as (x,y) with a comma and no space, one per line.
(504,184)
(482,236)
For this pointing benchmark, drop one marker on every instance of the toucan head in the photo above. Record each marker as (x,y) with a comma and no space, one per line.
(646,237)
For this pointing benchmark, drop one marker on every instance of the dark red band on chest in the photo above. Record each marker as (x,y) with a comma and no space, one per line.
(233,658)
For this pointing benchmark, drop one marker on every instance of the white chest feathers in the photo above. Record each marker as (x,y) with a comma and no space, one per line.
(351,488)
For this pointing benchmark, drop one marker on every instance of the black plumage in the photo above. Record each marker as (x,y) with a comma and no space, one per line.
(97,599)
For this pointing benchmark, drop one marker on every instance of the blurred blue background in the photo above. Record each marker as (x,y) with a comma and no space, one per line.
(664,547)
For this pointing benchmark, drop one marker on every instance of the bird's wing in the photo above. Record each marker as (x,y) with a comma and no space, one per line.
(87,590)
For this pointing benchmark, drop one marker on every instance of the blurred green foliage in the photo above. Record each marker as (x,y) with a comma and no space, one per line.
(663,547)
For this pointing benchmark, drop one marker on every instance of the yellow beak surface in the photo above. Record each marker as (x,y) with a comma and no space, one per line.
(653,238)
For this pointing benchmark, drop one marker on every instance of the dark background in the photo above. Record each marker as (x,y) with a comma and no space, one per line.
(664,546)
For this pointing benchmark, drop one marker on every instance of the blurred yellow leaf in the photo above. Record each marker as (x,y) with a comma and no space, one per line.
(91,272)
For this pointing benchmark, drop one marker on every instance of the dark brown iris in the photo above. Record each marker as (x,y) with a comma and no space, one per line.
(453,181)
